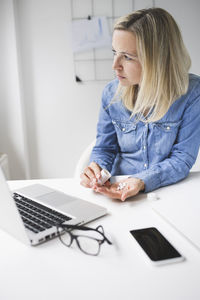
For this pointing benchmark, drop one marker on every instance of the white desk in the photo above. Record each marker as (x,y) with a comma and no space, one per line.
(51,271)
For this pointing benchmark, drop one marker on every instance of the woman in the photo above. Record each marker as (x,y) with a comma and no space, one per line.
(149,123)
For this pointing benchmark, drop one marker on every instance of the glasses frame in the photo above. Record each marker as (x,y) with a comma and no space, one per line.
(66,228)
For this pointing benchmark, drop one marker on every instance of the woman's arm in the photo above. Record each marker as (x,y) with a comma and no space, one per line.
(183,154)
(106,147)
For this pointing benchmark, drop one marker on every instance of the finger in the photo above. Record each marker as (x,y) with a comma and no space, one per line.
(96,169)
(85,180)
(107,183)
(96,184)
(89,173)
(85,184)
(108,192)
(128,193)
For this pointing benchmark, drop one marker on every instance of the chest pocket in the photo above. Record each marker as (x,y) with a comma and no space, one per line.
(165,135)
(127,135)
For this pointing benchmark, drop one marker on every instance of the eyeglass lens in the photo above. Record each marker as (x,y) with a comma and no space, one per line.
(89,244)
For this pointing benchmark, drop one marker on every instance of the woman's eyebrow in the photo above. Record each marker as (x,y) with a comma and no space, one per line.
(134,55)
(126,53)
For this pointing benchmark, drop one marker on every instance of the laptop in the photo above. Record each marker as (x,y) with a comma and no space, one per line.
(31,214)
(179,205)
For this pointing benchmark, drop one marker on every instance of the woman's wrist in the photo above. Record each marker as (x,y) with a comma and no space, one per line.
(142,185)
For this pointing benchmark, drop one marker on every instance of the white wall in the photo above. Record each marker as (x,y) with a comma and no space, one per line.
(186,13)
(11,119)
(58,110)
(37,78)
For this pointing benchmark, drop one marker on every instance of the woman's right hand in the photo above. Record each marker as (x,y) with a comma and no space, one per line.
(90,175)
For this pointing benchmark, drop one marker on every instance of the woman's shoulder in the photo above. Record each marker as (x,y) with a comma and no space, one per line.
(110,89)
(194,77)
(192,95)
(194,83)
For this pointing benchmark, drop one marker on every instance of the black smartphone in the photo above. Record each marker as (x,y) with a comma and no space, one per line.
(156,246)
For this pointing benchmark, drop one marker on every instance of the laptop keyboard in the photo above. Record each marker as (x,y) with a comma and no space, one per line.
(37,217)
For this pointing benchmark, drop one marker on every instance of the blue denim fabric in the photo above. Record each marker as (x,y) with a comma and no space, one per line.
(160,153)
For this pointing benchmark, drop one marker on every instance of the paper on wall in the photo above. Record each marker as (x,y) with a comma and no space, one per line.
(89,34)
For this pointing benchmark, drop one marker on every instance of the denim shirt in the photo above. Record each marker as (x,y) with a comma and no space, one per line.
(160,153)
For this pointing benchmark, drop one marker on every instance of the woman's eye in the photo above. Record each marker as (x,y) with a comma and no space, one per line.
(127,57)
(114,52)
(123,56)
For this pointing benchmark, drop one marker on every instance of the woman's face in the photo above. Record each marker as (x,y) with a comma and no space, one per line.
(125,63)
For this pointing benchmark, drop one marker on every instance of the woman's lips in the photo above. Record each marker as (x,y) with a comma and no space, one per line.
(120,77)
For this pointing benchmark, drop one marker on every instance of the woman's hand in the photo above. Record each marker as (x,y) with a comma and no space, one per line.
(121,190)
(90,175)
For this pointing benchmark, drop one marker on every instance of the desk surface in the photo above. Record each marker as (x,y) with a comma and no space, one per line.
(52,271)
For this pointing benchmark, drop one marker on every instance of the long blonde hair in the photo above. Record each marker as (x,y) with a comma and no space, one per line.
(164,59)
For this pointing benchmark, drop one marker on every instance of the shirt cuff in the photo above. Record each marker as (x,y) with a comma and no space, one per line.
(151,180)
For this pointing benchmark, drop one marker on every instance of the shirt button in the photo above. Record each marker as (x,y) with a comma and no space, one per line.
(114,122)
(168,127)
(145,165)
(123,129)
(144,147)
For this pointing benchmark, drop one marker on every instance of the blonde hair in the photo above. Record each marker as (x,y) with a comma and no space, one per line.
(164,60)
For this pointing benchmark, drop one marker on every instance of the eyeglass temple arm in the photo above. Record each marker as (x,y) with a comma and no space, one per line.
(107,240)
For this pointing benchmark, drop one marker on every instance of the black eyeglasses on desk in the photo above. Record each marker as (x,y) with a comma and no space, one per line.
(89,244)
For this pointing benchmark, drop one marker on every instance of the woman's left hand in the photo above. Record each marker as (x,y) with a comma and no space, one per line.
(121,190)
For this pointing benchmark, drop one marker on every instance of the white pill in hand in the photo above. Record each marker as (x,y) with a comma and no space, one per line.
(105,175)
(121,186)
(152,196)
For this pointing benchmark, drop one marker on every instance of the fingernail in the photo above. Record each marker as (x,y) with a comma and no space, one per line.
(123,198)
(98,176)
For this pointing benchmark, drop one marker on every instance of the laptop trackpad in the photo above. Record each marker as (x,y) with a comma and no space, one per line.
(55,199)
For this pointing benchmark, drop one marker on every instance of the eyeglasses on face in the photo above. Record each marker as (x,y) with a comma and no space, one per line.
(89,243)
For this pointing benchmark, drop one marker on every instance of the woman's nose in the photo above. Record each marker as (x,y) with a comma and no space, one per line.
(116,63)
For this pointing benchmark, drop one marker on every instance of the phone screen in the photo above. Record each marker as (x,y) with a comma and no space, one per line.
(155,244)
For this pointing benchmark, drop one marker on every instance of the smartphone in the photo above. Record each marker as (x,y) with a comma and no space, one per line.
(156,246)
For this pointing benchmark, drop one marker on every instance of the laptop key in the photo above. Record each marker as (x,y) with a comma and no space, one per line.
(36,216)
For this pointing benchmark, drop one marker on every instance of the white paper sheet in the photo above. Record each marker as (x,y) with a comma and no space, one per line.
(89,34)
